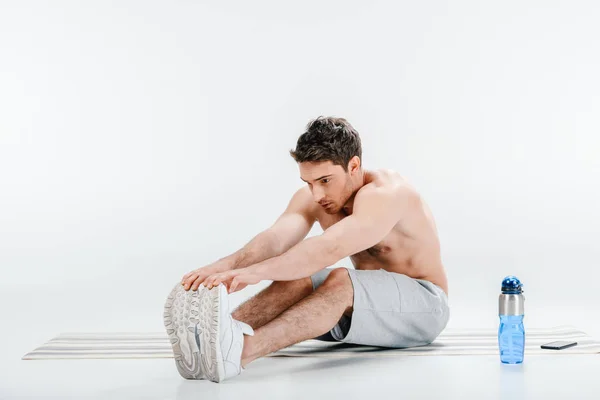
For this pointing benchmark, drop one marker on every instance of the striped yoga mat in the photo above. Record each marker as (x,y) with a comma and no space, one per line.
(450,342)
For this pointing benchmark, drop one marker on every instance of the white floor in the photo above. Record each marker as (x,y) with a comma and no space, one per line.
(542,377)
(36,315)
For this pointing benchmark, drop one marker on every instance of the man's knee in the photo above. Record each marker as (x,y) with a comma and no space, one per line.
(339,281)
(338,277)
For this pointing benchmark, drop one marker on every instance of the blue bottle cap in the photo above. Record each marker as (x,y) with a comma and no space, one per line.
(512,285)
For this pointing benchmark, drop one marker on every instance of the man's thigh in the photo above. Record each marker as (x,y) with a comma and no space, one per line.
(390,310)
(318,279)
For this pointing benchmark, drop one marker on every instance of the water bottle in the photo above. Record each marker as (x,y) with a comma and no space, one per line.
(511,334)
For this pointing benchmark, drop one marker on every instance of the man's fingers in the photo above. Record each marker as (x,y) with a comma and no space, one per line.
(189,281)
(215,281)
(191,278)
(198,282)
(234,284)
(189,275)
(208,281)
(192,283)
(226,277)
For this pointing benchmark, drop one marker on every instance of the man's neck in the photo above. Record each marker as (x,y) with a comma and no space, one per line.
(349,206)
(358,182)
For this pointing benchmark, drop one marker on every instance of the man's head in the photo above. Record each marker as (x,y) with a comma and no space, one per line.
(329,156)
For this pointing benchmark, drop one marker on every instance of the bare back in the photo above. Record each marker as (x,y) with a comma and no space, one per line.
(412,246)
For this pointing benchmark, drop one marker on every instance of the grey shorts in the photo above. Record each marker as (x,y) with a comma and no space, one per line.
(390,310)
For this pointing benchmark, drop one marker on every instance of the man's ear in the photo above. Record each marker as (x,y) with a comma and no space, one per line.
(354,165)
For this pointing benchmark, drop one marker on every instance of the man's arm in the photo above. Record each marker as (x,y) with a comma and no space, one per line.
(376,211)
(290,228)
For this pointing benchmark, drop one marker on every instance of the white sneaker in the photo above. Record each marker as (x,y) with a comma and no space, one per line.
(181,317)
(221,337)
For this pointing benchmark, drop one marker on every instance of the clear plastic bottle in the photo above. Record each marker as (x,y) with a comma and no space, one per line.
(511,333)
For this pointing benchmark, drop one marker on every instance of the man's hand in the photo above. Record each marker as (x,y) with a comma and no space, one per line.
(234,280)
(195,278)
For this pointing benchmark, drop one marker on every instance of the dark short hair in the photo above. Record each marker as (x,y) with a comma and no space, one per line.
(328,139)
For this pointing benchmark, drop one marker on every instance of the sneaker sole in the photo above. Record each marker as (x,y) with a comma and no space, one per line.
(209,337)
(181,317)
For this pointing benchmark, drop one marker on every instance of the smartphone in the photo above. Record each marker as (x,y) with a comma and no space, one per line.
(559,345)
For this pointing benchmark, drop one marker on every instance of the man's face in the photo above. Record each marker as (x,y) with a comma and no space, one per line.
(330,185)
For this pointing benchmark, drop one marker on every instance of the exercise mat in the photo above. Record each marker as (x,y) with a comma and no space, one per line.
(84,345)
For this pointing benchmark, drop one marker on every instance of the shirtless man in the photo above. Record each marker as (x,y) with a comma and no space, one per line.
(396,295)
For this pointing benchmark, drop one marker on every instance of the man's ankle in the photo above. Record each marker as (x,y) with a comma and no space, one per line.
(245,357)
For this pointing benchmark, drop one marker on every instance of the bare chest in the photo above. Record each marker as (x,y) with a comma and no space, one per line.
(382,251)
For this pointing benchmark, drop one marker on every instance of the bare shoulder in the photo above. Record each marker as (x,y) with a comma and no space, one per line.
(302,202)
(387,182)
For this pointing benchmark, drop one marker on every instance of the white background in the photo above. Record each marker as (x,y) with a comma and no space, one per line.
(140,140)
